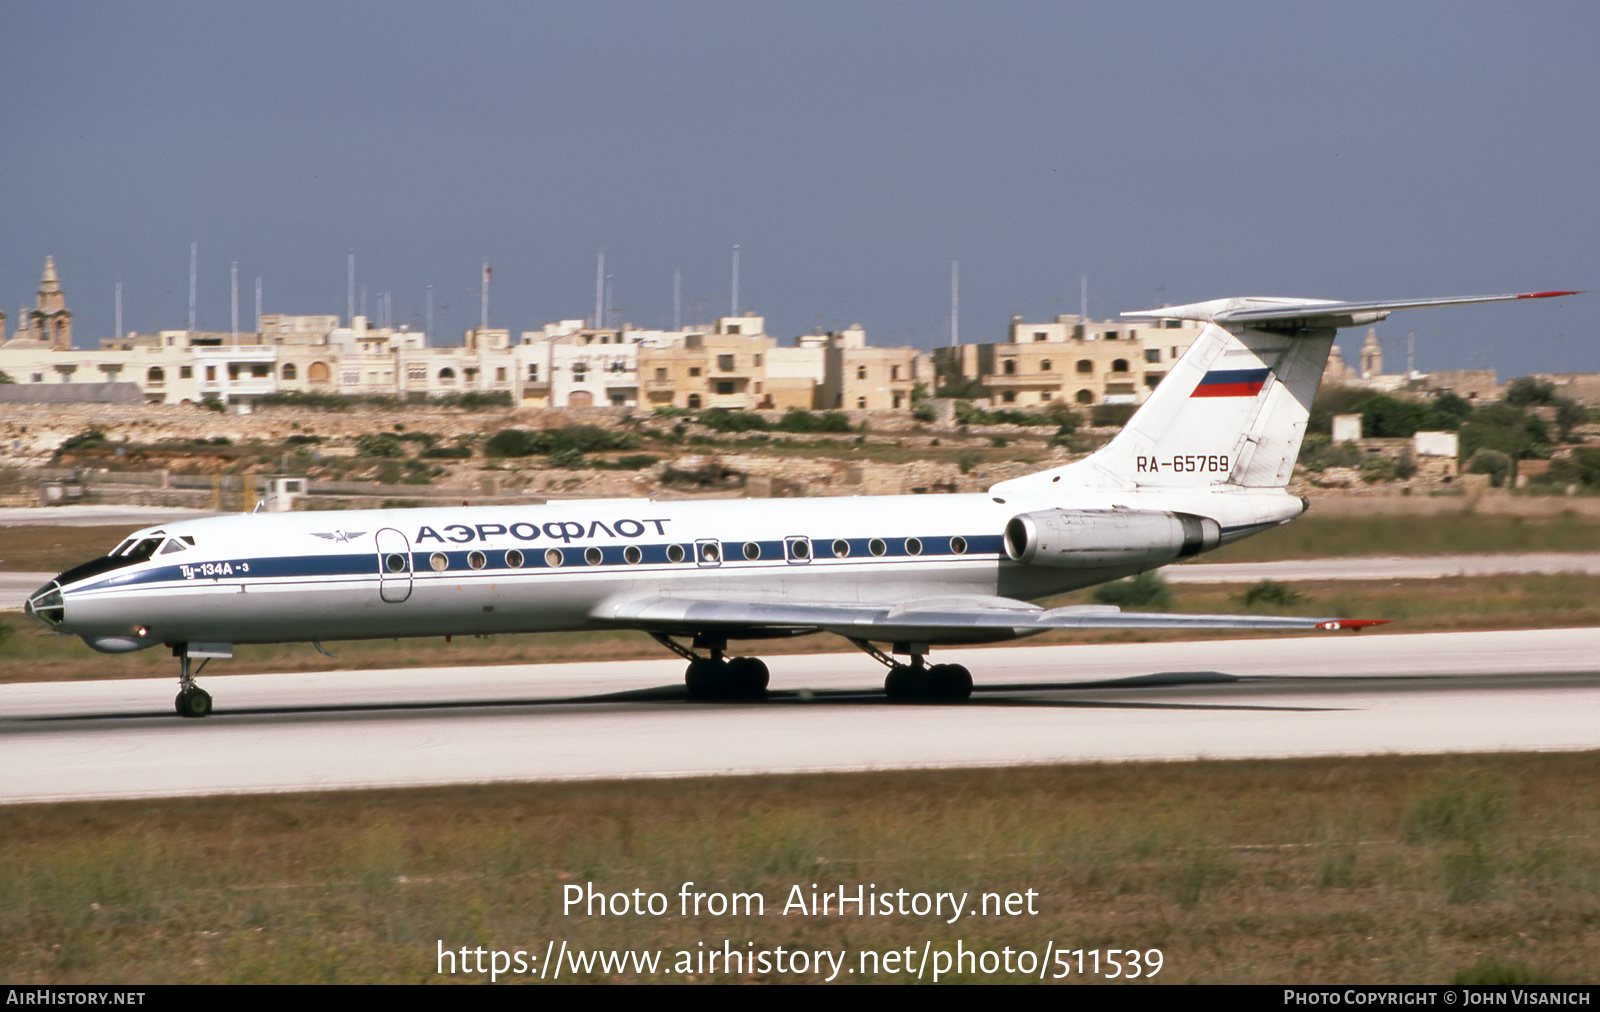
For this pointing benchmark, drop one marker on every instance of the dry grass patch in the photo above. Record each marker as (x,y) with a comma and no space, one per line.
(1388,869)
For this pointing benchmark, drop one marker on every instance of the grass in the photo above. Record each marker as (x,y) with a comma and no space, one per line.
(1313,537)
(41,548)
(28,653)
(1369,870)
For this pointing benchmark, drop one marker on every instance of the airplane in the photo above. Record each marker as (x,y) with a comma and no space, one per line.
(1204,462)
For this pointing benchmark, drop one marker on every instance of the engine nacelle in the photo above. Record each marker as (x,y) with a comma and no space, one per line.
(1103,539)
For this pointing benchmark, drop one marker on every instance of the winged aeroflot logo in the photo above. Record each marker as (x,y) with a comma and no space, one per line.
(339,536)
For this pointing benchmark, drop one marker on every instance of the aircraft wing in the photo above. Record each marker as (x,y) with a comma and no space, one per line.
(932,618)
(1314,313)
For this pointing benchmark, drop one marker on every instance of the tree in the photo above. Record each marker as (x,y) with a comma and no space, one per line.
(1569,415)
(1529,392)
(1507,429)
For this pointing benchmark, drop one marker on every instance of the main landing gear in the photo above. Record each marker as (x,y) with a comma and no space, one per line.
(716,677)
(917,682)
(192,700)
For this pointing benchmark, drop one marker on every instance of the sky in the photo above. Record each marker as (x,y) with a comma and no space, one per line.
(1172,152)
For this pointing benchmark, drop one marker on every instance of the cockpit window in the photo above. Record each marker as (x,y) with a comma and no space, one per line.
(129,553)
(142,551)
(173,545)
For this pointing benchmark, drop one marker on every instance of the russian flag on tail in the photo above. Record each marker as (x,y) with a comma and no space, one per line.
(1231,383)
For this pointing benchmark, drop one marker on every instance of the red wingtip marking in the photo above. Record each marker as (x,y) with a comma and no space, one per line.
(1352,624)
(1546,295)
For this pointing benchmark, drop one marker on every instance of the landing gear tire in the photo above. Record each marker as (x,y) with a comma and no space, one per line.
(747,678)
(193,702)
(737,678)
(904,684)
(949,683)
(942,683)
(706,678)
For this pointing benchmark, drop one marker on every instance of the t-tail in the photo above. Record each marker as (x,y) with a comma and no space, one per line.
(1233,410)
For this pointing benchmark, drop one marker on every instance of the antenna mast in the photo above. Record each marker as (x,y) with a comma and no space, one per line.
(483,327)
(600,292)
(194,253)
(119,305)
(735,280)
(258,303)
(233,276)
(350,289)
(677,299)
(955,302)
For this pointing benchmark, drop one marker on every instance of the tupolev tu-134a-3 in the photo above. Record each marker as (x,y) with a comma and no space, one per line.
(1204,462)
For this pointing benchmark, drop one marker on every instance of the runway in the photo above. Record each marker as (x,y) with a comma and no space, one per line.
(1300,696)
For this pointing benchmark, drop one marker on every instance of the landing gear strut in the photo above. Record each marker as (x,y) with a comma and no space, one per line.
(716,677)
(916,682)
(192,700)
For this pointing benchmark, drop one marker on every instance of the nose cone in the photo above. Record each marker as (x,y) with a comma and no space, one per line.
(46,604)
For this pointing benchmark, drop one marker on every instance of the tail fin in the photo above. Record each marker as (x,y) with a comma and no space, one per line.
(1233,409)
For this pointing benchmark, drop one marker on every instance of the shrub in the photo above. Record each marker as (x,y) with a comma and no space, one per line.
(1111,414)
(636,461)
(1271,592)
(1406,467)
(1318,453)
(580,438)
(1378,469)
(799,420)
(514,443)
(474,400)
(212,404)
(83,440)
(961,388)
(446,452)
(568,459)
(1510,430)
(970,414)
(922,411)
(1529,392)
(723,420)
(1569,415)
(1581,467)
(1493,463)
(380,444)
(1147,590)
(305,399)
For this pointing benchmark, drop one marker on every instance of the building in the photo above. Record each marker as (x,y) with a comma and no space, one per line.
(860,378)
(724,367)
(49,324)
(1084,362)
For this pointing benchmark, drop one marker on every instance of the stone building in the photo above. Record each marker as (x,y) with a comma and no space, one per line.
(1085,362)
(49,324)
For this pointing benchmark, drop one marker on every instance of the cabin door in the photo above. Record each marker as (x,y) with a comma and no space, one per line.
(394,565)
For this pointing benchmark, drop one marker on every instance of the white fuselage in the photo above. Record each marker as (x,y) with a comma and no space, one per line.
(499,569)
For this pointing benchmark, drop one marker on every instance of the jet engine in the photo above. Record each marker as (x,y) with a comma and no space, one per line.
(1100,539)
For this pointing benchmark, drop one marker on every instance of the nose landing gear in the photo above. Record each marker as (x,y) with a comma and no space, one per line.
(193,701)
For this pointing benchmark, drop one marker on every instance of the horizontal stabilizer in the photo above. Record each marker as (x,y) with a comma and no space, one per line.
(1310,314)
